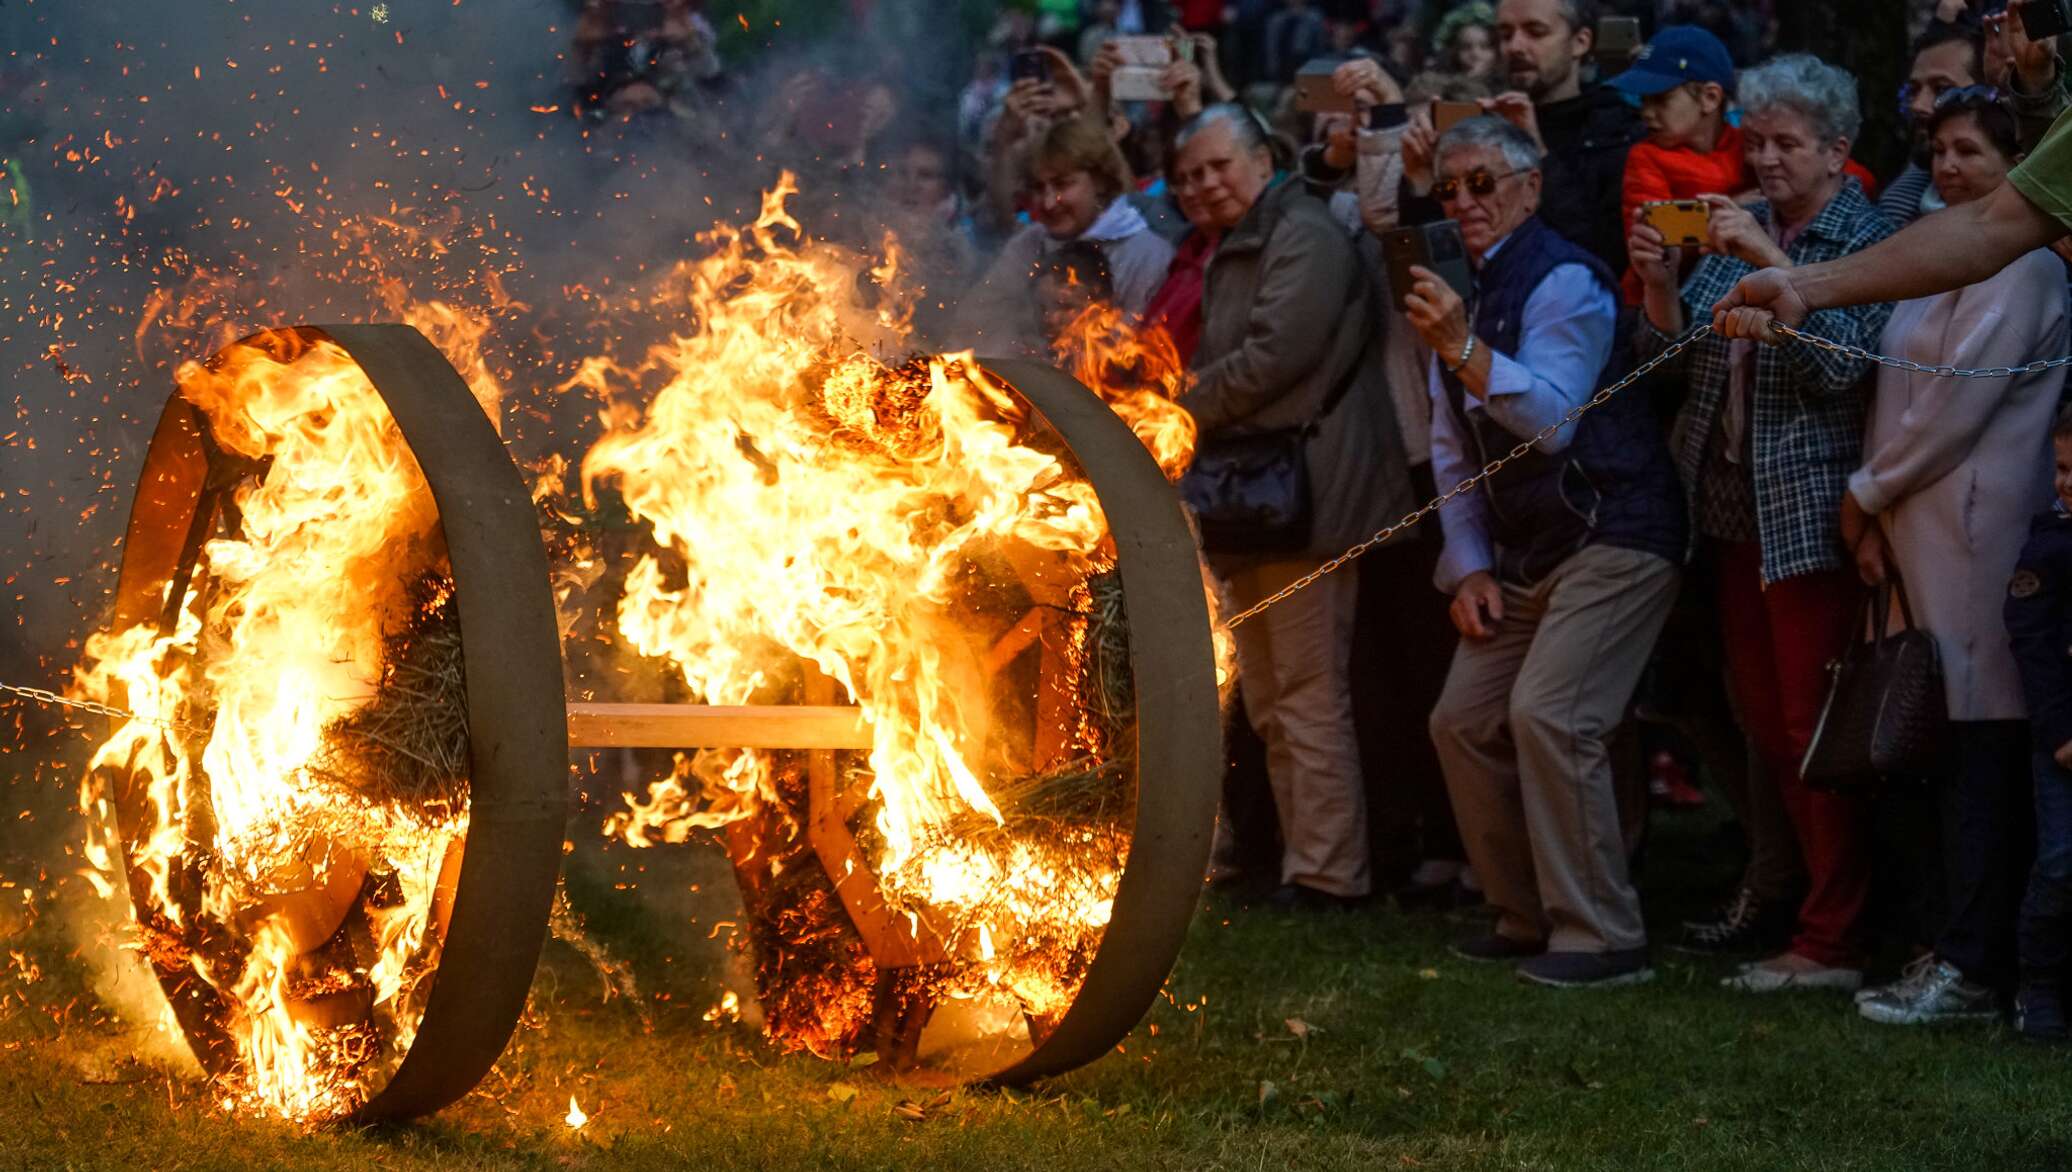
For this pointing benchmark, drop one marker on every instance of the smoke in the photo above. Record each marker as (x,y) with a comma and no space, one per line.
(196,171)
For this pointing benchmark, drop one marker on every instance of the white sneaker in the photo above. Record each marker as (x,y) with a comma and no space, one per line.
(1791,971)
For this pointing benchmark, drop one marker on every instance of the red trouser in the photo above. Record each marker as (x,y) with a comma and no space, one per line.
(1779,641)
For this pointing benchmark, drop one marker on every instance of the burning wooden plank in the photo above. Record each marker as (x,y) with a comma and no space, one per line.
(684,726)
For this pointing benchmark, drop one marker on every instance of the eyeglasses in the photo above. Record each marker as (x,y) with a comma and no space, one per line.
(1478,181)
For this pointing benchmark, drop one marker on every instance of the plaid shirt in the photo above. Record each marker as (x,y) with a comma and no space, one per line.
(1806,414)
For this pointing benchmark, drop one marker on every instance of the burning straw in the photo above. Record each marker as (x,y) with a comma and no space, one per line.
(407,747)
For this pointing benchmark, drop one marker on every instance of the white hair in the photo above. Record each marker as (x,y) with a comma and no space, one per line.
(1824,95)
(1486,130)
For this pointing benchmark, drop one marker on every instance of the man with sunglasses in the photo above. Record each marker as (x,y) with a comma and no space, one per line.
(1563,567)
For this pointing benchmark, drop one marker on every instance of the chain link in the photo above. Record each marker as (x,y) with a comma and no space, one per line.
(1861,354)
(1472,482)
(46,696)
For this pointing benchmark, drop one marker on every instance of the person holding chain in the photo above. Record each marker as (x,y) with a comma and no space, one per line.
(2030,209)
(1766,444)
(1563,567)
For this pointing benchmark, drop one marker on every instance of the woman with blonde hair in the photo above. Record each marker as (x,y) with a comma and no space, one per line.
(1078,187)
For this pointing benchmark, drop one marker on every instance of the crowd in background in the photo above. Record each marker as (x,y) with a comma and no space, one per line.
(1482,711)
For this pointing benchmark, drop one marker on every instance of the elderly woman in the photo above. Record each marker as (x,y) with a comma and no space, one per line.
(1952,471)
(1766,440)
(1287,344)
(1081,187)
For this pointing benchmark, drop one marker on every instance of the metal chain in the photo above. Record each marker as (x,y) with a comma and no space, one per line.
(1488,470)
(1861,354)
(1676,347)
(45,696)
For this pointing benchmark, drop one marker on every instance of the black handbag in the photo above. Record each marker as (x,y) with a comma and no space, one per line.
(1250,490)
(1886,714)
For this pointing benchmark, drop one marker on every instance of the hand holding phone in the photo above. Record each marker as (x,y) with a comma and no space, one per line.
(1683,223)
(1140,62)
(1447,115)
(1436,247)
(1028,65)
(1315,90)
(2042,19)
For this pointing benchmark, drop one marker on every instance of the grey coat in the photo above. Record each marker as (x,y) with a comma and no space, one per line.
(1288,313)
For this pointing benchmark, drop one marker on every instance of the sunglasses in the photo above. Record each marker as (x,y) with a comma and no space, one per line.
(1981,95)
(1478,182)
(1969,95)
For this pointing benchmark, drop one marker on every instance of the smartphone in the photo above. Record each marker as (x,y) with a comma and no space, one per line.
(1618,39)
(1028,65)
(1143,60)
(2042,19)
(1314,93)
(1436,246)
(1682,222)
(1446,115)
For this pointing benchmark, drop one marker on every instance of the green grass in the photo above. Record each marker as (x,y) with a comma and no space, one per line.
(1411,1059)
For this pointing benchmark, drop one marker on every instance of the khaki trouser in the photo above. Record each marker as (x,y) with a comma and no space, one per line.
(1521,732)
(1294,664)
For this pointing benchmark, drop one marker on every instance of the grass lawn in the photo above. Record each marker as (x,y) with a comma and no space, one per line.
(1321,1041)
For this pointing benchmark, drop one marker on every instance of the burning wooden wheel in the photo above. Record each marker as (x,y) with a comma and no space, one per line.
(1046,947)
(344,897)
(345,905)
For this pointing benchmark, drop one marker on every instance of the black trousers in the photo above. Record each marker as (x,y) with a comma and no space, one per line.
(2046,931)
(1989,836)
(1403,644)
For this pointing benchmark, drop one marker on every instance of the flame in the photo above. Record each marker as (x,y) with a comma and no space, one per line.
(1139,373)
(575,1117)
(825,513)
(253,850)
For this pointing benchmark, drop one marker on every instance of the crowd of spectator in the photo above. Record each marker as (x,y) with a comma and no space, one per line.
(1478,712)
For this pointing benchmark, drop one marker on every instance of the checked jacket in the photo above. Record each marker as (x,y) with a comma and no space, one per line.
(1808,405)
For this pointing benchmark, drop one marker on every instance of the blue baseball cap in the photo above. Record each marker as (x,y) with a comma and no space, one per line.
(1679,54)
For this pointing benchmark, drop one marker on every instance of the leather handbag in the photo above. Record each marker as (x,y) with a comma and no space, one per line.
(1886,714)
(1250,490)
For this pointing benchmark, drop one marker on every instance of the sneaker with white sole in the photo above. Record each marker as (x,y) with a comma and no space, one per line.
(1910,971)
(1791,971)
(1934,993)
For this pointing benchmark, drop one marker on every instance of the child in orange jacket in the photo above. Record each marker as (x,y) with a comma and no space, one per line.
(1683,79)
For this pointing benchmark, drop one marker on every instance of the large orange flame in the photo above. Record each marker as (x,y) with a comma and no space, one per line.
(253,855)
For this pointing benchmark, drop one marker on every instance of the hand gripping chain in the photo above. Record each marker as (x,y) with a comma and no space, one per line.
(43,696)
(1488,470)
(1856,352)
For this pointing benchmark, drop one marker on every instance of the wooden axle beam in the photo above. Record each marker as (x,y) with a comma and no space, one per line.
(706,726)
